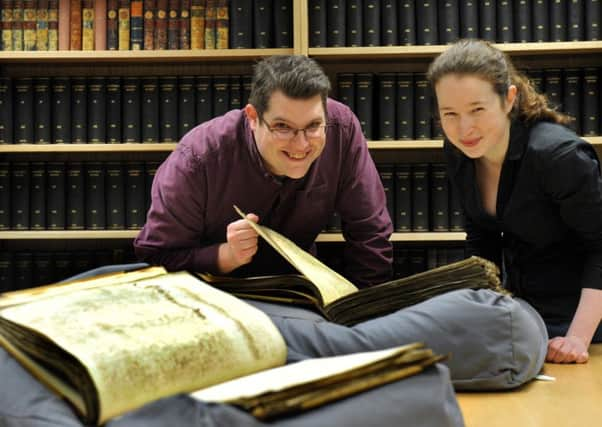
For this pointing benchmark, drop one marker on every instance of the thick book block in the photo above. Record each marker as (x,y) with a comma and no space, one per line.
(135,195)
(115,196)
(53,25)
(364,95)
(417,260)
(148,23)
(386,106)
(203,98)
(210,23)
(112,24)
(523,29)
(420,197)
(439,194)
(37,214)
(75,189)
(235,87)
(113,110)
(95,196)
(336,25)
(469,19)
(263,29)
(173,24)
(558,20)
(541,21)
(97,110)
(168,109)
(17,25)
(82,261)
(283,24)
(123,25)
(404,106)
(572,96)
(43,268)
(150,109)
(19,195)
(6,110)
(100,24)
(88,42)
(221,95)
(5,191)
(23,105)
(488,20)
(247,84)
(402,218)
(371,22)
(426,23)
(150,170)
(389,31)
(42,111)
(7,271)
(422,107)
(456,213)
(61,109)
(160,39)
(41,16)
(197,21)
(7,28)
(186,104)
(505,22)
(553,87)
(55,196)
(130,98)
(346,89)
(222,22)
(75,25)
(591,99)
(318,28)
(406,19)
(241,24)
(576,20)
(386,172)
(23,273)
(593,20)
(536,78)
(449,21)
(184,25)
(79,110)
(136,25)
(354,26)
(63,265)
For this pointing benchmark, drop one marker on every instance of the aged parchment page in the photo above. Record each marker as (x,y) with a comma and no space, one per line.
(144,340)
(331,284)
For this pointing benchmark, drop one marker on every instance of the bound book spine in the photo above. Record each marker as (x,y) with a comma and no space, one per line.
(130,98)
(42,109)
(100,24)
(37,196)
(364,87)
(7,24)
(449,21)
(575,27)
(79,113)
(150,170)
(24,122)
(115,196)
(522,21)
(487,20)
(469,19)
(184,25)
(75,185)
(558,20)
(221,95)
(234,99)
(591,112)
(55,196)
(136,25)
(135,213)
(222,24)
(19,195)
(75,25)
(404,95)
(168,109)
(283,24)
(17,25)
(6,110)
(505,27)
(5,190)
(571,97)
(422,107)
(541,21)
(403,198)
(203,98)
(386,172)
(336,29)
(112,25)
(439,197)
(407,22)
(318,28)
(160,41)
(420,197)
(123,25)
(186,113)
(263,33)
(354,25)
(95,196)
(150,110)
(241,24)
(389,36)
(61,101)
(346,89)
(97,109)
(426,23)
(113,110)
(386,106)
(197,24)
(593,20)
(88,42)
(553,85)
(23,270)
(173,27)
(371,23)
(64,24)
(247,83)
(149,23)
(42,25)
(29,25)
(53,25)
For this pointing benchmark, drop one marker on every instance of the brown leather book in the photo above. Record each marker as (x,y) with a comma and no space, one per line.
(17,25)
(150,7)
(160,41)
(184,24)
(7,24)
(75,25)
(210,18)
(64,30)
(173,27)
(29,25)
(53,24)
(136,25)
(100,24)
(112,25)
(124,24)
(222,23)
(42,25)
(197,24)
(87,24)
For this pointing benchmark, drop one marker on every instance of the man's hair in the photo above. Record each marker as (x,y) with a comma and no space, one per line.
(296,76)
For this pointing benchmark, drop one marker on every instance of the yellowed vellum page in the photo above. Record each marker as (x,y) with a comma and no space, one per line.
(331,284)
(155,337)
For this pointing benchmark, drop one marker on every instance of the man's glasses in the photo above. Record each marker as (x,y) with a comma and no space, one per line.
(286,133)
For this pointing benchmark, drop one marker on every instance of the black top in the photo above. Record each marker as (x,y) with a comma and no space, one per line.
(548,227)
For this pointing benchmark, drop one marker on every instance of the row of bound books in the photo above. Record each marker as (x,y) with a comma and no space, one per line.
(75,195)
(145,24)
(419,199)
(338,23)
(398,106)
(26,269)
(113,110)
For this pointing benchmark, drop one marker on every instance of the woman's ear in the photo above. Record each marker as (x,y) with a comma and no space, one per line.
(252,116)
(511,98)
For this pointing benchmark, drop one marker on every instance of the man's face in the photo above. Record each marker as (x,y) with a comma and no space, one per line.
(285,153)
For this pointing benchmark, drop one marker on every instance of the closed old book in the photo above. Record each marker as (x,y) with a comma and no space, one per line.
(23,105)
(148,22)
(19,195)
(336,27)
(575,24)
(422,107)
(221,95)
(42,111)
(283,24)
(523,28)
(203,98)
(505,22)
(386,171)
(97,110)
(571,96)
(197,23)
(591,111)
(403,198)
(5,190)
(354,26)
(241,24)
(7,25)
(136,25)
(53,25)
(364,88)
(558,20)
(17,25)
(439,194)
(130,99)
(42,25)
(386,106)
(449,21)
(150,109)
(420,197)
(113,110)
(346,89)
(123,25)
(55,196)
(75,25)
(389,32)
(29,25)
(95,196)
(79,110)
(75,188)
(184,24)
(100,24)
(593,20)
(6,110)
(427,31)
(222,25)
(318,28)
(469,19)
(371,22)
(263,31)
(112,24)
(186,104)
(173,24)
(488,20)
(235,88)
(160,40)
(7,269)
(61,108)
(115,196)
(135,194)
(404,106)
(168,109)
(88,42)
(37,196)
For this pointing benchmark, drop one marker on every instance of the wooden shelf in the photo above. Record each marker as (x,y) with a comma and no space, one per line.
(514,49)
(130,234)
(134,56)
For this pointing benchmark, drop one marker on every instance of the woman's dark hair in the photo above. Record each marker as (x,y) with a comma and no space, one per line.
(296,76)
(479,58)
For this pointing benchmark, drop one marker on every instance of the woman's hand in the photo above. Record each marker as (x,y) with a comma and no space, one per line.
(569,349)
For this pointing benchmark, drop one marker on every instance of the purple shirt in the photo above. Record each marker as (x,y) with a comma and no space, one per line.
(217,165)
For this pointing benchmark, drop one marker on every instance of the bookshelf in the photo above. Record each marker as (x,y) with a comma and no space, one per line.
(380,59)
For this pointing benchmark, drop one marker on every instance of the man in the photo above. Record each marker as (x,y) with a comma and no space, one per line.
(292,157)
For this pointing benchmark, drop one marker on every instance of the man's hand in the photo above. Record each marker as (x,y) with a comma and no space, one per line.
(240,246)
(569,349)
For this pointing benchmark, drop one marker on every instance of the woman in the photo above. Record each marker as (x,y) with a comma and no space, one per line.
(530,188)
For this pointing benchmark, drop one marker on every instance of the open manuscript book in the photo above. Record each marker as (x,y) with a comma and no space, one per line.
(337,298)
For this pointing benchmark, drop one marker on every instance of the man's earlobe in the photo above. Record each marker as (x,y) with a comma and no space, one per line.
(251,113)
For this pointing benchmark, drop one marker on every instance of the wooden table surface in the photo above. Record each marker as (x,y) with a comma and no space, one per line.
(573,399)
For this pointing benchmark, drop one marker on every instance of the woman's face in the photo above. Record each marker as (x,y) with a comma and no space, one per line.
(473,116)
